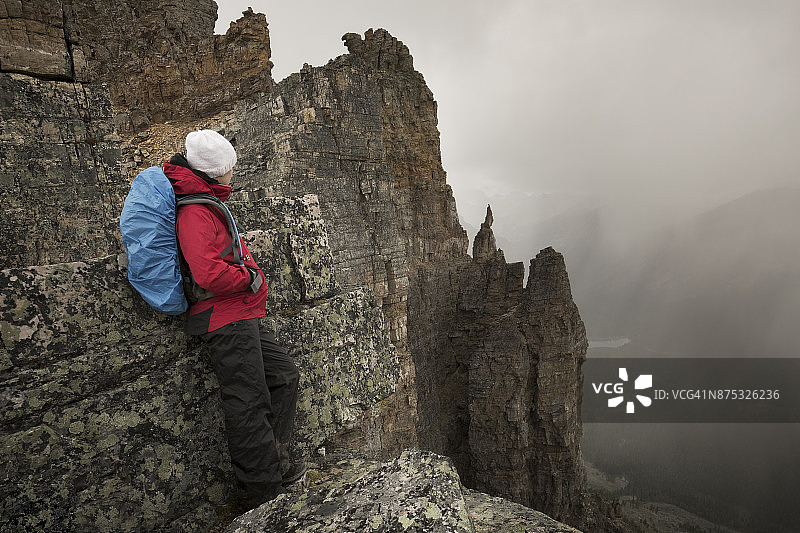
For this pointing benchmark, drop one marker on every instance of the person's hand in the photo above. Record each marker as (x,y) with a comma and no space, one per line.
(255,279)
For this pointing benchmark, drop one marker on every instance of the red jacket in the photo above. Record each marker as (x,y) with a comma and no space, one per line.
(203,236)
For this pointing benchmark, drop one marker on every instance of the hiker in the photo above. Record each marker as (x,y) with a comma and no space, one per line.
(257,378)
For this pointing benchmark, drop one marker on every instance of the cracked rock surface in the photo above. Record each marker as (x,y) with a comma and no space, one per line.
(416,492)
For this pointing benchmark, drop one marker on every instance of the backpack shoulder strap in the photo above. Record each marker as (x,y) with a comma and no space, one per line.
(222,208)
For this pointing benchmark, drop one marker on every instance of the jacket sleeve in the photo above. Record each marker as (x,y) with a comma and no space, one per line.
(198,231)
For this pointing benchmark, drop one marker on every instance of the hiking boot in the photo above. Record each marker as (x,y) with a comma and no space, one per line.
(257,500)
(294,473)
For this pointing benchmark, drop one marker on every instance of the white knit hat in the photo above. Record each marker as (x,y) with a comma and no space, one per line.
(210,152)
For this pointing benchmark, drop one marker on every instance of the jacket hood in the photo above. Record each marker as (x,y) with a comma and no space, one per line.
(186,180)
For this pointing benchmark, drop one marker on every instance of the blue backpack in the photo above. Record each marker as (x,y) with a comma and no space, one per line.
(147,225)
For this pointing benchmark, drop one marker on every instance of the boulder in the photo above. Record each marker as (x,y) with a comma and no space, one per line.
(418,491)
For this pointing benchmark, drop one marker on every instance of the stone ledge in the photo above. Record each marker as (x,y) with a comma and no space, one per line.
(418,491)
(491,514)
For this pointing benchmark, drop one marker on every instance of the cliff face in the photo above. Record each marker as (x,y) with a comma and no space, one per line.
(161,60)
(164,62)
(59,175)
(493,369)
(503,394)
(111,417)
(60,179)
(341,184)
(61,185)
(361,134)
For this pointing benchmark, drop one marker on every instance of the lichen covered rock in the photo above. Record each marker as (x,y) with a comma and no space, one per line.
(346,364)
(111,415)
(60,185)
(491,514)
(418,491)
(292,244)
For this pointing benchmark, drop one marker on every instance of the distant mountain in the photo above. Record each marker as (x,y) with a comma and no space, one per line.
(723,283)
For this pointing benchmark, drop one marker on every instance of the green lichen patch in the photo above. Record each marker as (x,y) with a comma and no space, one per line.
(36,391)
(49,312)
(491,514)
(417,492)
(114,461)
(296,254)
(346,360)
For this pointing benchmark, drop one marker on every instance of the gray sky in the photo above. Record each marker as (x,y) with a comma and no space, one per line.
(666,104)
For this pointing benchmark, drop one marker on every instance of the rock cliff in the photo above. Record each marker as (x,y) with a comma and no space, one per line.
(404,340)
(160,60)
(502,390)
(540,399)
(111,417)
(61,185)
(360,132)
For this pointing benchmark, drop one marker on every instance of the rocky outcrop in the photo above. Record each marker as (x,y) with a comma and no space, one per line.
(164,65)
(484,246)
(322,131)
(160,60)
(457,416)
(111,414)
(491,514)
(404,340)
(524,406)
(418,491)
(505,388)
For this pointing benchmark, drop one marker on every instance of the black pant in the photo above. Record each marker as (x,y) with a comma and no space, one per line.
(258,386)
